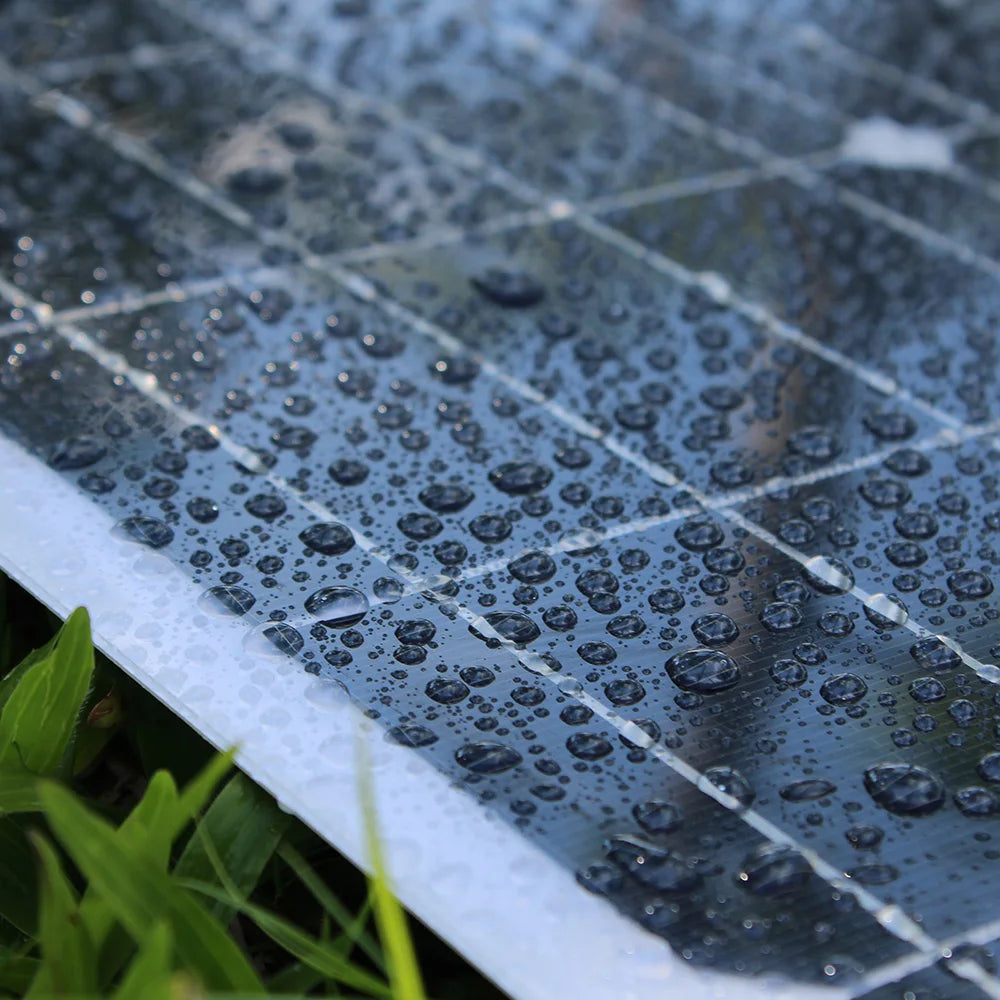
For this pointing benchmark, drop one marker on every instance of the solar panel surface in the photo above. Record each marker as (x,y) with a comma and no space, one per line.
(580,394)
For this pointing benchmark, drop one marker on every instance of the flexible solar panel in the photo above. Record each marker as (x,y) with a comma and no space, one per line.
(588,409)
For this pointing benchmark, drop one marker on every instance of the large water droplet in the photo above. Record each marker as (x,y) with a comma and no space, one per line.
(330,539)
(487,758)
(653,866)
(76,453)
(844,689)
(703,670)
(145,530)
(906,789)
(337,607)
(520,478)
(510,288)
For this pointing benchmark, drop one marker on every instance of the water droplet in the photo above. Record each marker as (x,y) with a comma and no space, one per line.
(733,783)
(970,585)
(653,866)
(532,567)
(446,498)
(781,616)
(76,453)
(864,838)
(513,289)
(520,478)
(844,689)
(266,506)
(807,790)
(828,575)
(975,801)
(773,869)
(715,629)
(704,671)
(699,534)
(446,691)
(906,789)
(873,874)
(226,601)
(411,734)
(487,758)
(658,816)
(624,692)
(330,539)
(337,607)
(512,626)
(935,654)
(788,673)
(588,746)
(145,530)
(274,640)
(886,611)
(600,878)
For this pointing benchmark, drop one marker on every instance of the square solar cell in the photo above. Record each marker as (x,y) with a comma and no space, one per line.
(524,110)
(956,208)
(447,467)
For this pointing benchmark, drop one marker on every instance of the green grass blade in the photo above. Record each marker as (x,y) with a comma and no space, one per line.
(18,791)
(69,961)
(11,679)
(140,895)
(40,715)
(299,944)
(244,825)
(146,831)
(404,972)
(148,976)
(149,832)
(340,914)
(201,787)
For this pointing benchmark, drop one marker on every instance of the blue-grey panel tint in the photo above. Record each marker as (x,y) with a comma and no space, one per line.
(467,479)
(741,662)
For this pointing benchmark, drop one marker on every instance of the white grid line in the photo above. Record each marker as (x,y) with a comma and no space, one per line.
(585,539)
(897,922)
